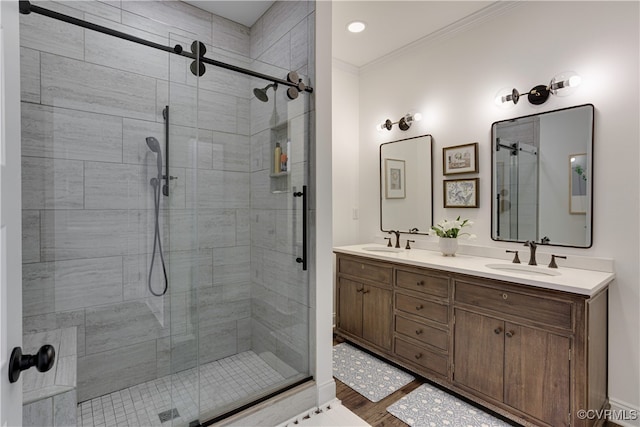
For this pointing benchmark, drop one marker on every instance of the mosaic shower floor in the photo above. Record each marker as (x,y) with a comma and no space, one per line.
(221,382)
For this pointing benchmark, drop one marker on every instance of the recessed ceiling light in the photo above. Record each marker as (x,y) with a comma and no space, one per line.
(356,26)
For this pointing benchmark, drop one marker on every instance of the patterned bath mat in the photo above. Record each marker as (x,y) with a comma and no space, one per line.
(366,374)
(430,406)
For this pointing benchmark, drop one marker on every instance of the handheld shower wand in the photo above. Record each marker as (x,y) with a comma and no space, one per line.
(154,146)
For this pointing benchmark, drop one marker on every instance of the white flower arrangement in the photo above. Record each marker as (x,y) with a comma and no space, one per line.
(451,229)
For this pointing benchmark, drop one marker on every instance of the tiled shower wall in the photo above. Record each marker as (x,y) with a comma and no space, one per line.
(89,102)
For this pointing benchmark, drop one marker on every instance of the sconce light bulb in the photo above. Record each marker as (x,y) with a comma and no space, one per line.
(417,117)
(575,81)
(380,127)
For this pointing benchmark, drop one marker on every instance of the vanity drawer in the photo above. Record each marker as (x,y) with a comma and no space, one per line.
(365,270)
(423,333)
(423,308)
(428,284)
(427,359)
(537,308)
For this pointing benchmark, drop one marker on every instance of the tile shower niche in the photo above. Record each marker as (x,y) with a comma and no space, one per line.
(280,181)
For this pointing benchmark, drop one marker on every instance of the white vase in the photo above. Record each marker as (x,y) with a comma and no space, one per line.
(448,246)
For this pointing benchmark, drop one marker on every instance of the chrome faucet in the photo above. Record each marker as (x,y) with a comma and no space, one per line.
(532,246)
(397,233)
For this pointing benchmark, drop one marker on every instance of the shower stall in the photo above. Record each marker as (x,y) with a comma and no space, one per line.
(165,178)
(516,180)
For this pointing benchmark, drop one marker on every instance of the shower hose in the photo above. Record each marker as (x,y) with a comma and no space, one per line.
(157,242)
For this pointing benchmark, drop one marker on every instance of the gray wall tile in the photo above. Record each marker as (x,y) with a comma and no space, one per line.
(78,85)
(29,75)
(53,36)
(116,325)
(179,14)
(70,134)
(98,8)
(231,35)
(30,236)
(299,45)
(86,283)
(231,265)
(243,227)
(279,53)
(280,19)
(218,342)
(64,409)
(59,320)
(220,189)
(154,26)
(231,152)
(52,183)
(107,50)
(38,288)
(108,371)
(119,186)
(38,413)
(69,234)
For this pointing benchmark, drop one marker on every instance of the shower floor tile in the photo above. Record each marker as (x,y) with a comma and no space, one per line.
(222,382)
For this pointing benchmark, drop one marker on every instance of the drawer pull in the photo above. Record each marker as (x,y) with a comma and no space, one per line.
(419,307)
(497,331)
(418,331)
(510,334)
(359,290)
(420,283)
(365,292)
(505,296)
(418,356)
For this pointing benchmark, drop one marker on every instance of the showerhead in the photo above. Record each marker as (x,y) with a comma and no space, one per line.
(153,144)
(261,94)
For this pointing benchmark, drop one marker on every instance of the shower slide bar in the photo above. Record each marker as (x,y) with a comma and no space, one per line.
(26,8)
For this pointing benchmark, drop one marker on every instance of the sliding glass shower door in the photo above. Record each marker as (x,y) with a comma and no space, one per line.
(237,231)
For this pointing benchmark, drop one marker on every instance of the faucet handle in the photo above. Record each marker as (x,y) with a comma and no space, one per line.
(389,241)
(516,260)
(408,245)
(553,264)
(545,240)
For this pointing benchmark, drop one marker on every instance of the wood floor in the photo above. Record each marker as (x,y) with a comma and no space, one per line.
(375,413)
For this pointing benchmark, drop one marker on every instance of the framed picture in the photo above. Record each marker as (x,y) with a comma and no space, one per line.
(460,159)
(395,179)
(461,193)
(578,184)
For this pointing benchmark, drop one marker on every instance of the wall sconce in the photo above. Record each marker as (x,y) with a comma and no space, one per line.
(562,84)
(404,123)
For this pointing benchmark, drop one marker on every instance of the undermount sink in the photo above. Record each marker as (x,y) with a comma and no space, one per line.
(382,249)
(525,269)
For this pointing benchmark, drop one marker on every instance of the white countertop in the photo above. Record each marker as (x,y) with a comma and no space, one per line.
(578,281)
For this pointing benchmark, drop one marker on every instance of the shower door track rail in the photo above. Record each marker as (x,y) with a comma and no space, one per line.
(26,8)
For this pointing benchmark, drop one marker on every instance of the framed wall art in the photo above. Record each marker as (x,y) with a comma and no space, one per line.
(461,193)
(395,179)
(460,159)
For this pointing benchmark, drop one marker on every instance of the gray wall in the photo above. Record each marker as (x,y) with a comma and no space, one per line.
(89,101)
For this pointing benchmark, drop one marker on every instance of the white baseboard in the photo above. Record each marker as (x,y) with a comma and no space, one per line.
(624,414)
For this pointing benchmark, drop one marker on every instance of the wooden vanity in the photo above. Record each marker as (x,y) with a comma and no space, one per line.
(534,355)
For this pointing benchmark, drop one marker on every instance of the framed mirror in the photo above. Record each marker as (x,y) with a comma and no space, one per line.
(406,185)
(542,177)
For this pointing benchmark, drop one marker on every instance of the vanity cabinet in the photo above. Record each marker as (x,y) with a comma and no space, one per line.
(364,300)
(534,355)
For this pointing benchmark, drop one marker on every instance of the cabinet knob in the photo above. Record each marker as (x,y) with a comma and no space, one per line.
(420,283)
(505,296)
(497,331)
(419,307)
(418,331)
(418,356)
(509,334)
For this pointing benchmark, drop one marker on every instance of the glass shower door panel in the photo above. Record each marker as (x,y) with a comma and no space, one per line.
(189,260)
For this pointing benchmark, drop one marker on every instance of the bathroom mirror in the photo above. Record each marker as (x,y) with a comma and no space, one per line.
(406,185)
(542,177)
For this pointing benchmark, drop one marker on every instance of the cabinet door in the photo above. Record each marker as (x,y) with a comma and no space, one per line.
(479,353)
(350,306)
(377,316)
(537,373)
